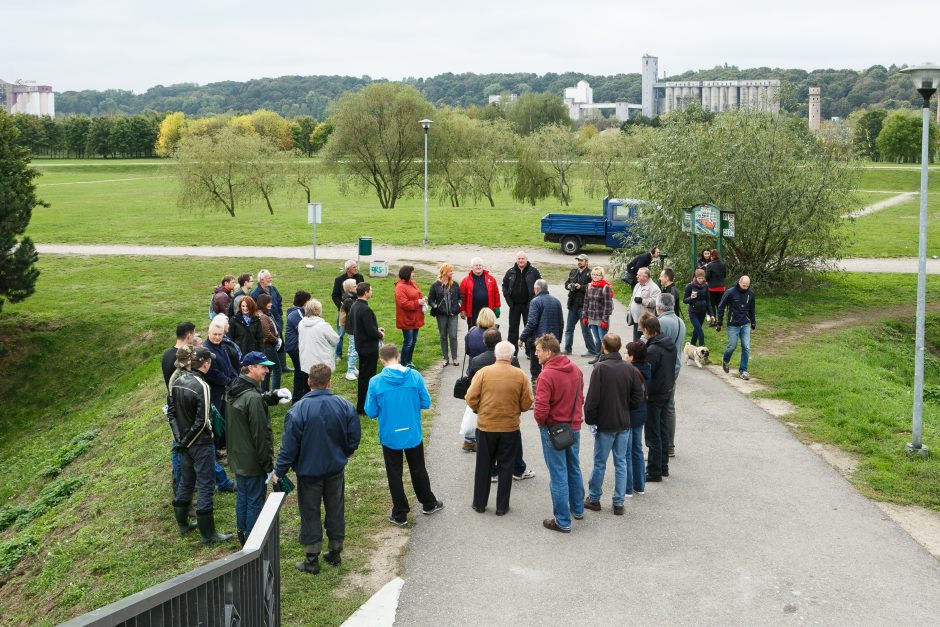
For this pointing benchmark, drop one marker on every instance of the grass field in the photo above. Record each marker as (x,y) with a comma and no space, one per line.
(85,447)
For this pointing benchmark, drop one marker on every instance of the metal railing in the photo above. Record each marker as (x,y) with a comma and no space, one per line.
(240,589)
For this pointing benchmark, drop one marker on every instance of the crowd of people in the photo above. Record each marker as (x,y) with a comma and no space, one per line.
(219,389)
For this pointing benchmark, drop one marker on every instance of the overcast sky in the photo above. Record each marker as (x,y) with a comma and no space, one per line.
(129,44)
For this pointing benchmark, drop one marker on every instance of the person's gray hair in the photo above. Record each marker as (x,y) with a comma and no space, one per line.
(313,307)
(541,285)
(643,270)
(504,351)
(219,322)
(349,264)
(475,261)
(666,302)
(261,273)
(350,285)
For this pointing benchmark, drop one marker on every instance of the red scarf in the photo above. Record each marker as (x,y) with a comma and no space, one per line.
(601,284)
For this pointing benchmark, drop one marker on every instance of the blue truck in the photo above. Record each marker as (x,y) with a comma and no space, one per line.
(574,232)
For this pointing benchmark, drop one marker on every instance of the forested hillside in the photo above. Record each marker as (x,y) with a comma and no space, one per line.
(843,91)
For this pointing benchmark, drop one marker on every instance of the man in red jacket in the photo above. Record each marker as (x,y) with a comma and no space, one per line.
(559,397)
(478,290)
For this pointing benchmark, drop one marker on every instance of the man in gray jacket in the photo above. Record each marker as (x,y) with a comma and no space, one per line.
(672,326)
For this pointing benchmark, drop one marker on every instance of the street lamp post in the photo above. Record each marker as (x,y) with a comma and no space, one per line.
(426,125)
(926,78)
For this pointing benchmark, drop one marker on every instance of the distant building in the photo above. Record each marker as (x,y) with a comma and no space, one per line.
(663,97)
(504,99)
(580,101)
(814,109)
(20,97)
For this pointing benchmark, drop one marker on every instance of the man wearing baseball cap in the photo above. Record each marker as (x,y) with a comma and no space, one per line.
(190,415)
(578,281)
(250,441)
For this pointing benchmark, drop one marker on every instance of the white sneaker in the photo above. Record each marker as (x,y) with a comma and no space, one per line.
(352,376)
(745,375)
(528,474)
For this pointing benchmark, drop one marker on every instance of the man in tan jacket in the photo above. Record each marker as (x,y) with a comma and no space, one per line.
(498,394)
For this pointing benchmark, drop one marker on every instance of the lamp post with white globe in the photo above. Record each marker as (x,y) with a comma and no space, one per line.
(926,80)
(426,125)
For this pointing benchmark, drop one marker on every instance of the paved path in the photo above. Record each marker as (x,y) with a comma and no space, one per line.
(459,255)
(884,204)
(750,528)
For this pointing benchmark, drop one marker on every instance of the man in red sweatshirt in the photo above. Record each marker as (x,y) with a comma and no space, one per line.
(559,398)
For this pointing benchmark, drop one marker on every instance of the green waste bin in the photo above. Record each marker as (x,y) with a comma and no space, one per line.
(365,246)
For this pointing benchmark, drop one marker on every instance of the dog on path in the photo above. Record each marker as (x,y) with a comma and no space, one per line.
(698,354)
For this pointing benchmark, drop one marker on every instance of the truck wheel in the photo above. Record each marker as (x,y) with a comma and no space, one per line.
(570,245)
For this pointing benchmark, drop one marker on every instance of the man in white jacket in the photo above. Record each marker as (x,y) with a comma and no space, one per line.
(316,338)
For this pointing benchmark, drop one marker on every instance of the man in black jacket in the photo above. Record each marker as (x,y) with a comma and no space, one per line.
(519,290)
(189,412)
(578,281)
(661,356)
(742,319)
(367,336)
(350,271)
(615,389)
(545,316)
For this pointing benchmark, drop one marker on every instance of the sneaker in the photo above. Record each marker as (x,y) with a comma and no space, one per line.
(494,479)
(395,521)
(629,495)
(745,375)
(578,516)
(550,523)
(640,492)
(351,376)
(438,506)
(594,506)
(725,365)
(528,474)
(672,451)
(589,354)
(470,447)
(618,510)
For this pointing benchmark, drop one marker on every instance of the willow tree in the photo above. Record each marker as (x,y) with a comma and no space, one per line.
(377,141)
(789,191)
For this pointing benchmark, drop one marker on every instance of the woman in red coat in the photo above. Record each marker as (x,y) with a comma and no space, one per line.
(409,312)
(478,290)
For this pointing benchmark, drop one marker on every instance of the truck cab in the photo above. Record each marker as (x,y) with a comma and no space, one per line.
(573,232)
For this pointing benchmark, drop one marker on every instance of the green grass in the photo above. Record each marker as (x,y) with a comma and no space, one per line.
(89,206)
(893,232)
(84,446)
(906,180)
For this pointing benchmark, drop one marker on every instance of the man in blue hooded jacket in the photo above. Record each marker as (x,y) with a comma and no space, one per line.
(396,397)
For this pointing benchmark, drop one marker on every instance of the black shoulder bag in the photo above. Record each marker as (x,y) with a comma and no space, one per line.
(462,384)
(560,433)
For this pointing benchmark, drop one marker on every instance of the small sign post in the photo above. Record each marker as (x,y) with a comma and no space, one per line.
(708,220)
(314,217)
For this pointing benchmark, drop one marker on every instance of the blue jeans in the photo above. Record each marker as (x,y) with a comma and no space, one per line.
(574,319)
(341,331)
(637,471)
(698,335)
(275,372)
(606,443)
(598,334)
(734,333)
(352,357)
(409,337)
(564,476)
(249,499)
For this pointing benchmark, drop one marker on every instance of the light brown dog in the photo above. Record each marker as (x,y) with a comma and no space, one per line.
(698,354)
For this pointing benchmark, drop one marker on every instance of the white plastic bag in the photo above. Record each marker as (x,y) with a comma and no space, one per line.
(468,426)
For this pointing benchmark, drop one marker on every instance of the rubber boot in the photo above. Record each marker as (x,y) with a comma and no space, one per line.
(182,517)
(206,523)
(242,538)
(310,565)
(333,557)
